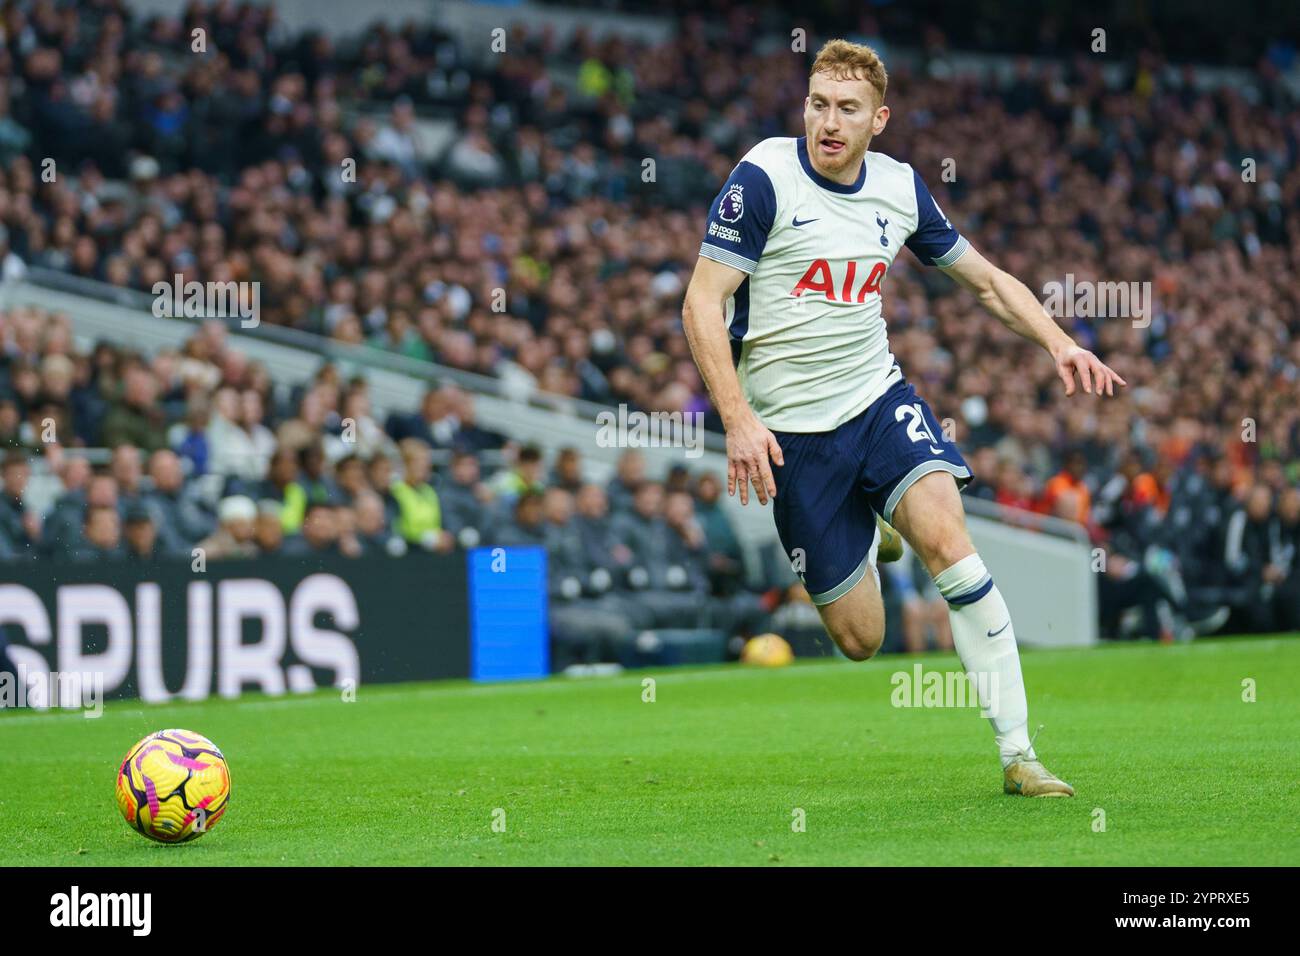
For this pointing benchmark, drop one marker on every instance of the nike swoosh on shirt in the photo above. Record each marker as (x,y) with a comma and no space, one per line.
(796,223)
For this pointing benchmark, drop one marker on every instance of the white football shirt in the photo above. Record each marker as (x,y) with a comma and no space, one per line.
(807,327)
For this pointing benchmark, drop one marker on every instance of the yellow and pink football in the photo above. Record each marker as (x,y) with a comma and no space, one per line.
(767,650)
(173,786)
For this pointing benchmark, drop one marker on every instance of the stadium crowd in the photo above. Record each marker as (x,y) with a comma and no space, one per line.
(236,164)
(211,460)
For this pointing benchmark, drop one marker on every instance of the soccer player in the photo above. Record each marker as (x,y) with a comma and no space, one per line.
(783,316)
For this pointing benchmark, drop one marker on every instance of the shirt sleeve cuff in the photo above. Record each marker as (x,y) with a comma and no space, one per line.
(952,255)
(728,258)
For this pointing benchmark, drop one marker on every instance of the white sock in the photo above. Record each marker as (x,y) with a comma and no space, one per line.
(986,644)
(871,556)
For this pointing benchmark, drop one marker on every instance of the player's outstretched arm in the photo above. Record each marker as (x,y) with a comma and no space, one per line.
(749,442)
(1011,302)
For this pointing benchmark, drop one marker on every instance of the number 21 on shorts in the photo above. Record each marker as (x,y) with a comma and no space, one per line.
(918,429)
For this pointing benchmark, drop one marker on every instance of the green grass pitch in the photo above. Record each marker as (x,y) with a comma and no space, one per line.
(712,772)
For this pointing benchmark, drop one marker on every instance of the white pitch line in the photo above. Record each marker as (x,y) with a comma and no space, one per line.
(496,688)
(552,684)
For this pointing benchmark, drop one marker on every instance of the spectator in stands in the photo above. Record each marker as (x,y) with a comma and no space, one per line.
(688,544)
(1015,488)
(321,535)
(735,612)
(313,474)
(372,529)
(432,422)
(190,439)
(465,500)
(524,477)
(101,539)
(14,137)
(585,627)
(678,480)
(268,529)
(359,433)
(1191,521)
(526,527)
(20,529)
(1285,559)
(468,433)
(232,451)
(379,470)
(630,475)
(96,384)
(397,140)
(252,413)
(282,487)
(726,562)
(924,611)
(65,514)
(566,562)
(605,553)
(179,516)
(1070,480)
(1248,553)
(10,424)
(135,418)
(1225,499)
(419,517)
(446,419)
(567,473)
(25,384)
(68,538)
(55,399)
(473,161)
(126,468)
(140,535)
(1126,508)
(350,478)
(1124,585)
(400,337)
(233,538)
(664,571)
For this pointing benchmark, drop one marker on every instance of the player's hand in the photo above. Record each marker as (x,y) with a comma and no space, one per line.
(1095,375)
(749,447)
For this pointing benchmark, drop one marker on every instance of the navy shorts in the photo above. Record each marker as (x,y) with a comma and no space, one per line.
(833,485)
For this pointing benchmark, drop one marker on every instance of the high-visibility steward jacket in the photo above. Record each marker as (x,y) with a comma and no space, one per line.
(294,508)
(418,511)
